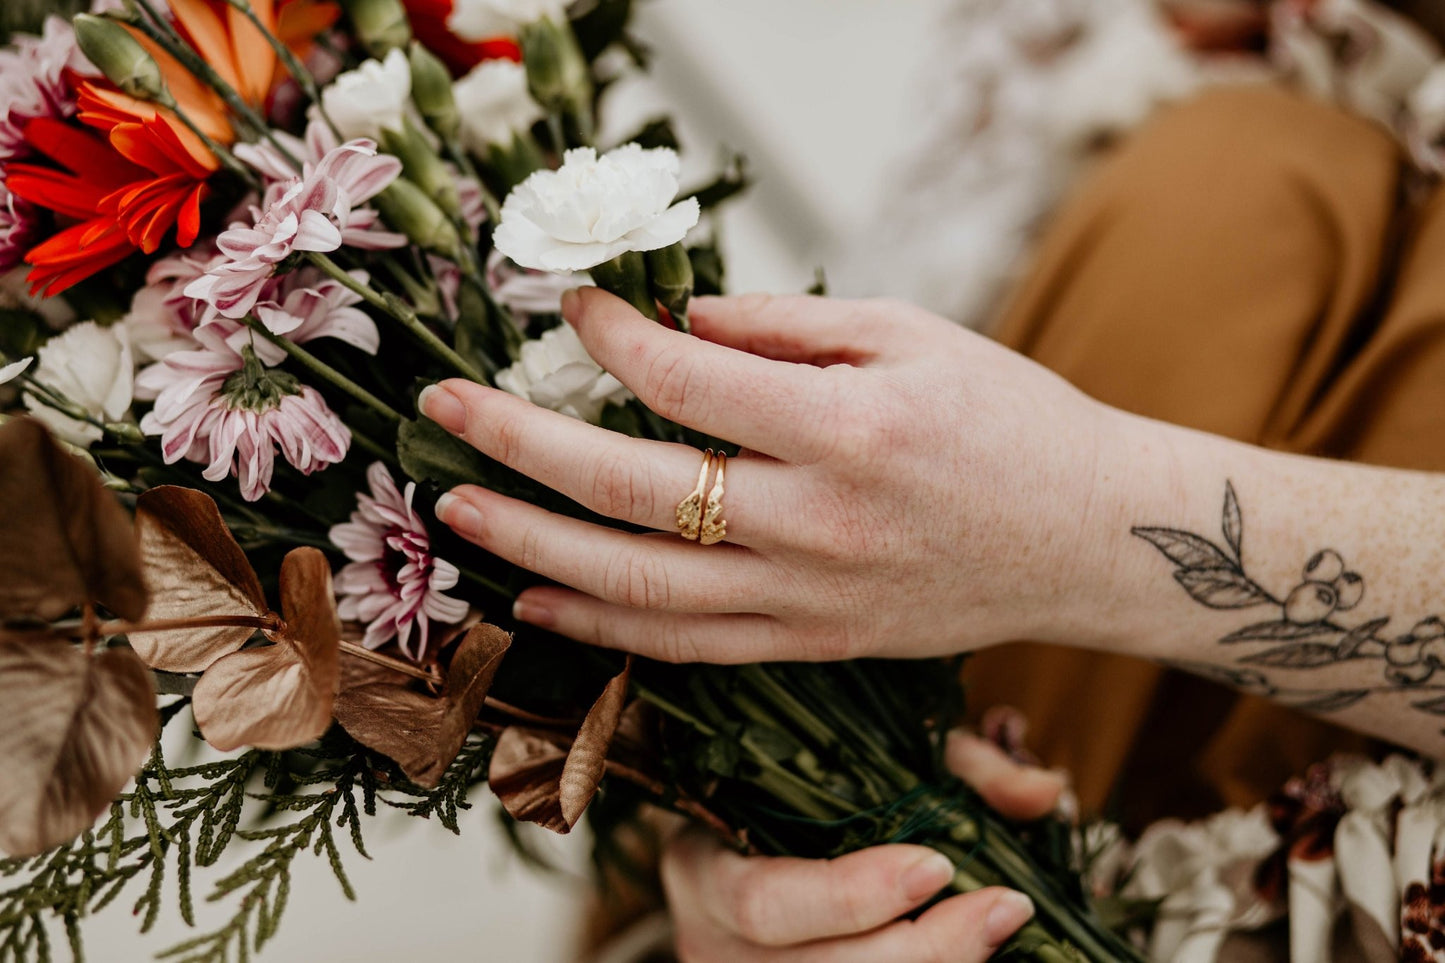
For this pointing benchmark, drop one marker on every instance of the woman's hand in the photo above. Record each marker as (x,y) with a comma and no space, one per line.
(907,488)
(729,908)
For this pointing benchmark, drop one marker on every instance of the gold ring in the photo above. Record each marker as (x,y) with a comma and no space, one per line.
(700,520)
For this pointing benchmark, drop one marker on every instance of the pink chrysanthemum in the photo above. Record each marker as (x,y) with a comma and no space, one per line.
(32,82)
(219,405)
(394,583)
(317,211)
(19,230)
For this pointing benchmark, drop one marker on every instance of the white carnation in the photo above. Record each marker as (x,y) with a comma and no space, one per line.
(13,370)
(556,372)
(494,105)
(373,97)
(475,20)
(593,208)
(1425,123)
(91,367)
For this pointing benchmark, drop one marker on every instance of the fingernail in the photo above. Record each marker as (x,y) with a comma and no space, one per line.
(1010,911)
(927,876)
(459,514)
(443,407)
(525,610)
(571,304)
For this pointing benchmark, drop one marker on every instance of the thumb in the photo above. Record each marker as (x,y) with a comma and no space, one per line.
(1017,791)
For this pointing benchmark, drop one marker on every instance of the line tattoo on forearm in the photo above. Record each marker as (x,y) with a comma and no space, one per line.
(1310,630)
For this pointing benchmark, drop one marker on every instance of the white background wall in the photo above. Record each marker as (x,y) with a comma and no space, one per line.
(817,93)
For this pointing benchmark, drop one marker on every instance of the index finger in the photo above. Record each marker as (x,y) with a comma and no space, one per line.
(774,407)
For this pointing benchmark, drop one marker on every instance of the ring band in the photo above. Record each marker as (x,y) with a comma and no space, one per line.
(698,520)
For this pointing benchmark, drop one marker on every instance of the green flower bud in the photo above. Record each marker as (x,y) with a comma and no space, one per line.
(124,62)
(431,91)
(626,276)
(670,271)
(421,165)
(406,208)
(381,24)
(517,161)
(557,72)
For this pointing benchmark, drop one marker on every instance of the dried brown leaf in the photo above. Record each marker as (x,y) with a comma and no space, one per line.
(67,540)
(279,696)
(423,733)
(196,570)
(541,779)
(77,728)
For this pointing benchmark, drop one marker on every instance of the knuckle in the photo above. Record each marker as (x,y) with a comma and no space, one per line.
(750,906)
(529,549)
(637,581)
(509,436)
(619,488)
(671,384)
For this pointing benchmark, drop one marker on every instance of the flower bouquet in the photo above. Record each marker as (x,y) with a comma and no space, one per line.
(242,237)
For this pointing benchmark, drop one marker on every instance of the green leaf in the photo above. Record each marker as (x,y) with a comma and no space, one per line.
(657,132)
(431,454)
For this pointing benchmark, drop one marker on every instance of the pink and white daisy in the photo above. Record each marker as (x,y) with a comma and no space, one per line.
(305,304)
(394,583)
(221,406)
(317,211)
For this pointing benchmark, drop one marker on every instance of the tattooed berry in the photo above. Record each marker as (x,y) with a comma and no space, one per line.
(1405,650)
(1325,566)
(1410,674)
(1311,602)
(1431,628)
(1350,588)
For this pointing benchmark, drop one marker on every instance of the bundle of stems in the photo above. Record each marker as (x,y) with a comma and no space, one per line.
(816,759)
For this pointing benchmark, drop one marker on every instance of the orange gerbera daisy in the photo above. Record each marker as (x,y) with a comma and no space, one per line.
(138,171)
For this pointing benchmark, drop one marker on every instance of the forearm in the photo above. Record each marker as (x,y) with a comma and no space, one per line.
(1185,573)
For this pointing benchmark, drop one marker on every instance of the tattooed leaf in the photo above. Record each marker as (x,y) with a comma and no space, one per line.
(1359,635)
(1245,680)
(1306,655)
(1221,588)
(1184,549)
(1282,631)
(1233,521)
(1332,701)
(1436,707)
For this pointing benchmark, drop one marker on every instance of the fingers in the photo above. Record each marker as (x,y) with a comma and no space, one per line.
(720,639)
(631,479)
(807,330)
(965,929)
(730,908)
(1017,791)
(768,406)
(629,570)
(784,901)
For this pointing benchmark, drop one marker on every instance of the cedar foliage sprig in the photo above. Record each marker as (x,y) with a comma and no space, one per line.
(176,821)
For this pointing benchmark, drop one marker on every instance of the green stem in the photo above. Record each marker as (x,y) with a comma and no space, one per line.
(401,312)
(222,154)
(464,164)
(487,583)
(161,31)
(323,370)
(294,67)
